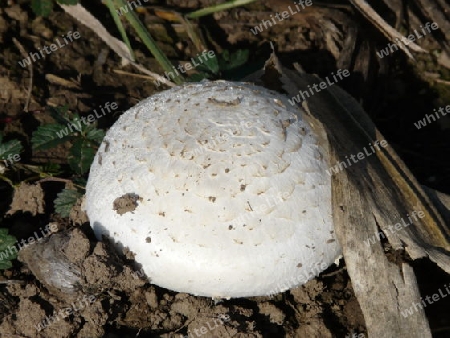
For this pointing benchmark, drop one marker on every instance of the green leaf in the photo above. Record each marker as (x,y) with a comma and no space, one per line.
(119,24)
(51,168)
(42,7)
(81,155)
(96,135)
(7,254)
(59,114)
(67,2)
(88,127)
(234,60)
(49,136)
(210,64)
(147,39)
(81,126)
(65,201)
(12,148)
(81,181)
(217,8)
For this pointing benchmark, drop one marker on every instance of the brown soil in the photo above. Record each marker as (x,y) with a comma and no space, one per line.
(88,288)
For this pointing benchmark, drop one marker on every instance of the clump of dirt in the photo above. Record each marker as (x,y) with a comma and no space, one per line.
(126,203)
(86,289)
(28,197)
(76,276)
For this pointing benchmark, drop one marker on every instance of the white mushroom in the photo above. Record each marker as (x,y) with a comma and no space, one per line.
(219,189)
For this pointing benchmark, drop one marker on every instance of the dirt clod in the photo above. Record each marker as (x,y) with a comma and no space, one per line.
(28,197)
(126,203)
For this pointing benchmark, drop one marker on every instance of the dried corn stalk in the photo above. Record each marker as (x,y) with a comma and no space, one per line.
(374,194)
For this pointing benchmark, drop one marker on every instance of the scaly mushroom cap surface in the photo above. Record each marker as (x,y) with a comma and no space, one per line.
(219,188)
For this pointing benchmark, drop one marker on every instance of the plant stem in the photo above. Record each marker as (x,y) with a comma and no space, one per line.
(149,42)
(218,8)
(112,9)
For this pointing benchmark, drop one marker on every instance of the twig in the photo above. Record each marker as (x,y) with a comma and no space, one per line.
(442,81)
(333,273)
(79,13)
(387,30)
(59,179)
(156,76)
(30,69)
(13,281)
(55,179)
(139,76)
(197,39)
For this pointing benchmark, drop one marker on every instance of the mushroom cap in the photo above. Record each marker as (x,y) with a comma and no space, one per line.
(219,189)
